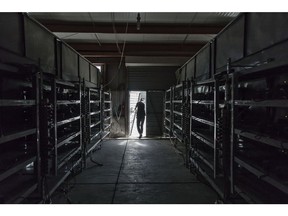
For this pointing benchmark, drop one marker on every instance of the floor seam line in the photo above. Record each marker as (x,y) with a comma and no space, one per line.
(118,176)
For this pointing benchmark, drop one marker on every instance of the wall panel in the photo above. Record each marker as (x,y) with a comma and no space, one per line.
(265,29)
(154,113)
(203,64)
(40,45)
(12,38)
(84,69)
(230,43)
(93,74)
(69,63)
(151,78)
(190,69)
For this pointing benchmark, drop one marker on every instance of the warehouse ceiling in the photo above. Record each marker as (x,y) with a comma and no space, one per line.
(143,39)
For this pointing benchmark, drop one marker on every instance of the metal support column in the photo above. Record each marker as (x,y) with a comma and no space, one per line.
(216,125)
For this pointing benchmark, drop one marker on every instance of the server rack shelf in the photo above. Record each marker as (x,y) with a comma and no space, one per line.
(19,135)
(92,119)
(250,108)
(61,131)
(207,149)
(259,135)
(106,113)
(177,117)
(40,132)
(176,112)
(95,113)
(167,113)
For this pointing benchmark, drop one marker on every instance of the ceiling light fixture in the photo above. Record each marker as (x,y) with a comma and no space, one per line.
(138,22)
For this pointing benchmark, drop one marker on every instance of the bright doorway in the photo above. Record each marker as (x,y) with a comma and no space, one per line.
(134,97)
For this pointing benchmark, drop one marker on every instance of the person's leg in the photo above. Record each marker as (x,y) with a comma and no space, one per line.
(138,125)
(141,125)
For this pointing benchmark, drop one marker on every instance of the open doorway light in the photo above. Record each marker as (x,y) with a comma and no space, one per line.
(134,97)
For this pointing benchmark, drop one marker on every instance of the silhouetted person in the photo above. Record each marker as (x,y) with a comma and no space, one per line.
(140,106)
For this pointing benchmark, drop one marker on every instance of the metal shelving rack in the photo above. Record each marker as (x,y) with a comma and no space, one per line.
(167,113)
(92,131)
(61,132)
(177,111)
(259,141)
(106,113)
(19,135)
(206,144)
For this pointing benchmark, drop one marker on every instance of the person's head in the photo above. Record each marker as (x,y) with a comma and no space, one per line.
(142,99)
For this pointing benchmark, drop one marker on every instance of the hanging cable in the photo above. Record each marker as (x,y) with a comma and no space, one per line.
(122,52)
(115,31)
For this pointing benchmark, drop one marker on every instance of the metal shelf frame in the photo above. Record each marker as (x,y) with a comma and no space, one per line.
(260,138)
(197,138)
(31,79)
(168,109)
(106,110)
(92,128)
(51,141)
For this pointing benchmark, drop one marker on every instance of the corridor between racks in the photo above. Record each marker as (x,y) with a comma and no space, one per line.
(136,172)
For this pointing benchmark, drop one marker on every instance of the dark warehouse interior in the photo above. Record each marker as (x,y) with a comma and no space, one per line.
(215,92)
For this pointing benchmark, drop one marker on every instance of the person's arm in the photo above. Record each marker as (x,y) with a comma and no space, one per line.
(136,106)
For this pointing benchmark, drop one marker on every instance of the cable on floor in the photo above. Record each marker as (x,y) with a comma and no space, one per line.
(117,181)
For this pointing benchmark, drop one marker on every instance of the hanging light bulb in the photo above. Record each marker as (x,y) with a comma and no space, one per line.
(138,22)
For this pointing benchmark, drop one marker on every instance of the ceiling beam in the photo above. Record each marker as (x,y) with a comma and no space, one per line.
(91,54)
(146,28)
(135,49)
(103,60)
(154,60)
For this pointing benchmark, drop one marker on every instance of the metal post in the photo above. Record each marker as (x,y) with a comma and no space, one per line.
(191,121)
(84,129)
(81,116)
(232,138)
(54,107)
(37,112)
(216,116)
(227,122)
(170,132)
(182,109)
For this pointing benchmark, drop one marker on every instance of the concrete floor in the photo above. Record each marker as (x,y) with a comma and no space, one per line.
(135,172)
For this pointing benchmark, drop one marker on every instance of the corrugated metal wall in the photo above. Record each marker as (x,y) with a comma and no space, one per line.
(151,78)
(154,113)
